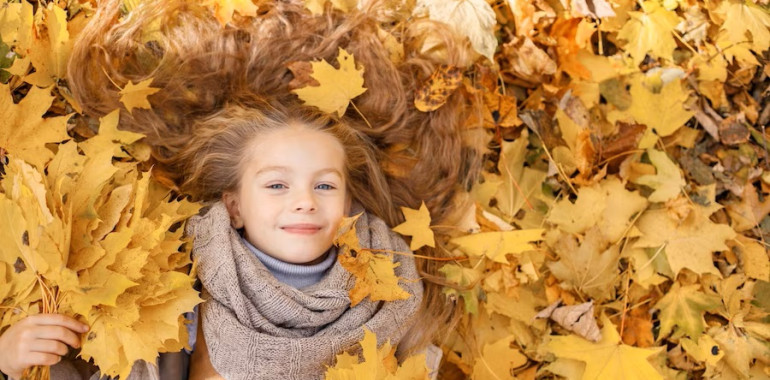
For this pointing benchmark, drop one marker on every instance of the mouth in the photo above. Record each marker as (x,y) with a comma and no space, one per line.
(301,228)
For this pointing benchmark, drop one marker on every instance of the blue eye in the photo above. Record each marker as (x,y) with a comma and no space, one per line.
(325,186)
(276,186)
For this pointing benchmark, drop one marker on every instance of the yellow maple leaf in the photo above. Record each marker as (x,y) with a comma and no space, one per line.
(24,132)
(50,52)
(646,106)
(337,86)
(498,360)
(109,135)
(135,95)
(667,181)
(590,266)
(496,245)
(607,359)
(316,7)
(650,31)
(744,18)
(377,363)
(224,9)
(417,225)
(474,19)
(375,277)
(520,184)
(607,204)
(683,307)
(687,244)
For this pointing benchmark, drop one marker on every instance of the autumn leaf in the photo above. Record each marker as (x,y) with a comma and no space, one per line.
(744,19)
(608,358)
(498,360)
(50,52)
(417,225)
(520,183)
(135,95)
(688,244)
(109,135)
(375,277)
(496,245)
(435,91)
(474,19)
(590,266)
(650,31)
(668,180)
(377,363)
(337,87)
(224,9)
(24,132)
(646,106)
(467,282)
(683,307)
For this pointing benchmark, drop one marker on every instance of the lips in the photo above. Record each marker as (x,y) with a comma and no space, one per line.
(301,228)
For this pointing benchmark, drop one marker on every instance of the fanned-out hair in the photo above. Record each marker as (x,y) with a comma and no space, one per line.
(205,71)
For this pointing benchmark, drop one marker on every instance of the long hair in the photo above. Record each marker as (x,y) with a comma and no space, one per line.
(203,68)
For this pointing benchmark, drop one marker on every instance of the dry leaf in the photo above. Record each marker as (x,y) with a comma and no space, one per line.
(435,91)
(337,87)
(417,225)
(135,95)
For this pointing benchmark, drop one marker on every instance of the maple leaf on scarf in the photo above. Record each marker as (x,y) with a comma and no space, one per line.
(377,363)
(607,359)
(417,225)
(135,95)
(374,272)
(335,87)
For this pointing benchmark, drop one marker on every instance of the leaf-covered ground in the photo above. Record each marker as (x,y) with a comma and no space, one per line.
(620,227)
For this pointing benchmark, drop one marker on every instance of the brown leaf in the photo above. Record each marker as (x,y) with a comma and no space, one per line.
(435,91)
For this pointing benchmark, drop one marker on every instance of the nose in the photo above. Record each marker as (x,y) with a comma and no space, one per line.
(305,202)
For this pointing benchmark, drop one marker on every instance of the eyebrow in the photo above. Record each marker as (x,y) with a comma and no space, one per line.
(285,169)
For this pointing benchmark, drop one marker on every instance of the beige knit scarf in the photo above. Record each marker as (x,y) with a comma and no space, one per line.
(256,327)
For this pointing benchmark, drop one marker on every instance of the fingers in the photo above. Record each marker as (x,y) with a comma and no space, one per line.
(41,358)
(57,333)
(49,347)
(58,320)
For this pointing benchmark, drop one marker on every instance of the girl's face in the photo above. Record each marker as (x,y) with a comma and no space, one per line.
(292,194)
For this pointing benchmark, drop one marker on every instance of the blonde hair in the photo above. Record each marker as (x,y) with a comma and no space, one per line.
(206,71)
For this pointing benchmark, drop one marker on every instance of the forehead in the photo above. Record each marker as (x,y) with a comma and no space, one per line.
(296,146)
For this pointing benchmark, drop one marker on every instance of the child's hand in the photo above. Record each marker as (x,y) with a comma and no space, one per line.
(39,339)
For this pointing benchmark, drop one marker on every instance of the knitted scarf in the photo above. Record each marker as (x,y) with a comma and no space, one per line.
(259,328)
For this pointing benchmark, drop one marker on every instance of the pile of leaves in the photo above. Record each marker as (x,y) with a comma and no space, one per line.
(619,229)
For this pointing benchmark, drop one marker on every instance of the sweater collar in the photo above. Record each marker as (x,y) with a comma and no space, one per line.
(295,275)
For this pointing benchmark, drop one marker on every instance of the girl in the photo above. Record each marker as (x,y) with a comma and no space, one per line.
(213,80)
(276,297)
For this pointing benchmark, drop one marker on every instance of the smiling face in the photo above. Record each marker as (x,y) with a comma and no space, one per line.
(292,193)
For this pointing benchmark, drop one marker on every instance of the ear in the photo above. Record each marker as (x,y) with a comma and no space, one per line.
(233,204)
